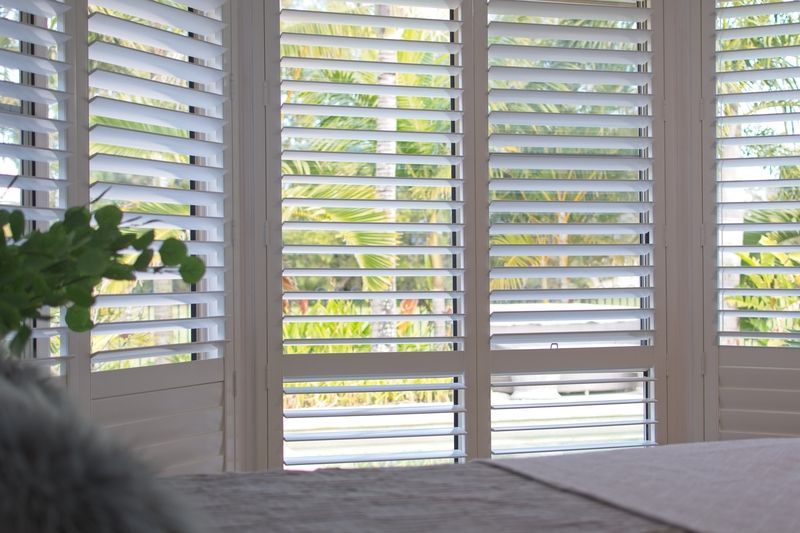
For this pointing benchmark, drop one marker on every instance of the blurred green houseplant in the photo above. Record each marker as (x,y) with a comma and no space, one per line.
(62,265)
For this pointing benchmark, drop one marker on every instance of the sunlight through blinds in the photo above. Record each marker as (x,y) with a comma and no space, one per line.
(758,173)
(372,180)
(158,98)
(372,227)
(571,191)
(33,127)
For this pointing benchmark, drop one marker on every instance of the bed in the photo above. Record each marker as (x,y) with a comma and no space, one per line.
(749,485)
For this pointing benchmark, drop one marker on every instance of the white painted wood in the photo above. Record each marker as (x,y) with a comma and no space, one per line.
(178,454)
(211,464)
(168,428)
(764,357)
(756,377)
(784,400)
(374,364)
(682,221)
(149,405)
(78,344)
(733,435)
(707,111)
(268,346)
(752,421)
(154,378)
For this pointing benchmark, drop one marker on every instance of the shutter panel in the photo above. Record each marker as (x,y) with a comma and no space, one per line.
(572,225)
(33,148)
(157,116)
(372,422)
(373,240)
(758,224)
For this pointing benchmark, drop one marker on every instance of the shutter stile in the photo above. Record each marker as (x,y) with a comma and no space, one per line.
(570,166)
(157,96)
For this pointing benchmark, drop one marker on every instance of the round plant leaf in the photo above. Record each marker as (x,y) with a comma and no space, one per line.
(78,318)
(92,262)
(144,240)
(76,217)
(80,294)
(192,269)
(108,216)
(172,252)
(119,272)
(143,261)
(124,240)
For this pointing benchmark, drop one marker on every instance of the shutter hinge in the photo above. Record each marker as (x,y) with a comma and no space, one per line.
(266,377)
(701,109)
(233,386)
(266,233)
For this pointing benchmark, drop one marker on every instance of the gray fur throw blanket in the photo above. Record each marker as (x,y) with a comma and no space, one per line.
(58,474)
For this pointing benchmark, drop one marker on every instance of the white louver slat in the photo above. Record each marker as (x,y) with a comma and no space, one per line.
(372,225)
(157,89)
(570,167)
(34,118)
(758,221)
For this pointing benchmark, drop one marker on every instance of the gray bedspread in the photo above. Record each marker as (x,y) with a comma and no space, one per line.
(476,497)
(745,485)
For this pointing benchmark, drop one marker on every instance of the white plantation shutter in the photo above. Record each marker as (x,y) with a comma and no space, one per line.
(573,246)
(373,230)
(757,253)
(571,185)
(34,119)
(158,92)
